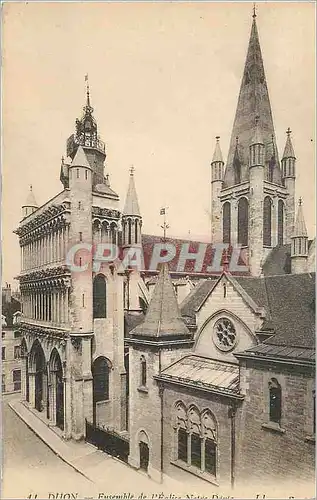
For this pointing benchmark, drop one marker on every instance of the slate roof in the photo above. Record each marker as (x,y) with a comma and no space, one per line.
(278,261)
(162,318)
(131,321)
(196,297)
(131,206)
(203,373)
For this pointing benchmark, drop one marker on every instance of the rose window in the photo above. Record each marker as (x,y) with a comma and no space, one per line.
(225,335)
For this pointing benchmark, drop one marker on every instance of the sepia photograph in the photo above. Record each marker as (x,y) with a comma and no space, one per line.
(158,250)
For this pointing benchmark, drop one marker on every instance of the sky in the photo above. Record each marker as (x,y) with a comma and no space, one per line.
(164,81)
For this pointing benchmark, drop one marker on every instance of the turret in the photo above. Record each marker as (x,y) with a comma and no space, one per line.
(299,245)
(217,166)
(131,216)
(256,168)
(288,176)
(30,205)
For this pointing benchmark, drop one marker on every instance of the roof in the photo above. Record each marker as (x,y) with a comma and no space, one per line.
(278,261)
(80,159)
(204,373)
(132,320)
(300,225)
(131,206)
(289,150)
(163,318)
(148,242)
(290,303)
(30,200)
(253,101)
(281,352)
(196,297)
(217,153)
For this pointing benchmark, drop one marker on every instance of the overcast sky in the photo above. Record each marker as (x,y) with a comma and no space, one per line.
(164,81)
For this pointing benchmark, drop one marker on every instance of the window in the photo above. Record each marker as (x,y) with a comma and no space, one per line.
(267,221)
(143,371)
(280,222)
(99,297)
(17,352)
(80,236)
(86,174)
(79,205)
(226,222)
(83,300)
(77,173)
(3,335)
(129,231)
(224,334)
(3,353)
(100,373)
(135,231)
(3,382)
(275,401)
(200,430)
(237,166)
(243,222)
(182,445)
(16,380)
(17,334)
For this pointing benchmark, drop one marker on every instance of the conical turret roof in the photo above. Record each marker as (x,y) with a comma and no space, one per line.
(30,200)
(131,206)
(80,159)
(217,157)
(253,101)
(163,318)
(300,229)
(289,150)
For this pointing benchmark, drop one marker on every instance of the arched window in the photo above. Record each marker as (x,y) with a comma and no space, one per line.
(100,373)
(99,297)
(210,432)
(271,169)
(267,222)
(129,231)
(143,371)
(237,167)
(226,222)
(135,231)
(243,222)
(280,222)
(275,401)
(113,234)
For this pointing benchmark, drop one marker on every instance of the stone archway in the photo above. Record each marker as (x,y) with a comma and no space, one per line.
(38,371)
(57,390)
(144,451)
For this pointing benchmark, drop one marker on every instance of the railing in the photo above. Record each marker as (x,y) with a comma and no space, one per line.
(108,441)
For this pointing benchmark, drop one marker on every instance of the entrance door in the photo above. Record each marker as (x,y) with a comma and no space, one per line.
(144,456)
(59,399)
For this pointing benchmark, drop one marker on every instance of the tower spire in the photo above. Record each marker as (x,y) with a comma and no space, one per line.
(131,206)
(253,101)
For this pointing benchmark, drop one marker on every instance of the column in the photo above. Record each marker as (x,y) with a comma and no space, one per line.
(189,449)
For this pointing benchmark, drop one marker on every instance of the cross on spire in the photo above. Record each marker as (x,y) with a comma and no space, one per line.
(132,169)
(300,201)
(254,11)
(165,226)
(288,131)
(31,187)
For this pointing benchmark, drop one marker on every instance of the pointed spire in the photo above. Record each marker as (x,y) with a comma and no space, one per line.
(30,200)
(131,206)
(217,157)
(80,159)
(163,318)
(253,101)
(289,150)
(88,109)
(300,225)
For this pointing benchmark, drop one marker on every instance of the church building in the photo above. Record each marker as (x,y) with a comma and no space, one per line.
(205,377)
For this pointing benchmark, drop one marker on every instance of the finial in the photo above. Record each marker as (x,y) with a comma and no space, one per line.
(288,131)
(31,187)
(132,169)
(254,11)
(217,138)
(300,201)
(237,140)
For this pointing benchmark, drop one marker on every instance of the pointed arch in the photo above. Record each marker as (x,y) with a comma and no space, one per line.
(267,221)
(38,367)
(280,222)
(226,222)
(243,222)
(57,388)
(101,368)
(99,296)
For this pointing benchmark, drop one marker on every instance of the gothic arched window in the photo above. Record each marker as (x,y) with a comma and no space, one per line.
(99,297)
(280,222)
(135,231)
(243,222)
(275,401)
(267,222)
(226,222)
(100,372)
(129,231)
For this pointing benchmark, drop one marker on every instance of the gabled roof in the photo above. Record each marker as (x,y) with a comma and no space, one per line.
(197,295)
(300,225)
(163,318)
